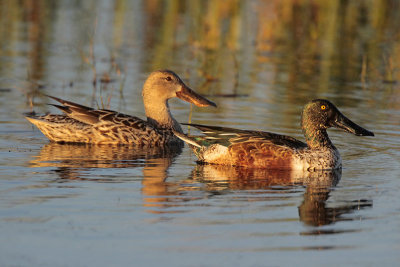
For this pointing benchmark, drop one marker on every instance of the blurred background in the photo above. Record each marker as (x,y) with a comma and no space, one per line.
(281,51)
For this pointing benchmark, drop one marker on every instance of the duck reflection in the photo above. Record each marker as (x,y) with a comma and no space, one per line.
(73,160)
(312,211)
(239,178)
(162,195)
(158,194)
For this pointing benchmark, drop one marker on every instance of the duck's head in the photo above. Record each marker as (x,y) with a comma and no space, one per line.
(165,84)
(322,114)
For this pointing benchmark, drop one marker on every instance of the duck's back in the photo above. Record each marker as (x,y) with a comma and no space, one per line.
(103,127)
(254,149)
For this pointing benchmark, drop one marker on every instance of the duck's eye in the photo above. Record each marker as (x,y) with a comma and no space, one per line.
(323,107)
(168,78)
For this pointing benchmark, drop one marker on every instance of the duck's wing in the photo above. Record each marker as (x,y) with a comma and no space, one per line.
(229,136)
(83,113)
(92,116)
(81,124)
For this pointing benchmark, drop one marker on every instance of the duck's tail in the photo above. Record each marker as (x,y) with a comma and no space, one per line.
(186,139)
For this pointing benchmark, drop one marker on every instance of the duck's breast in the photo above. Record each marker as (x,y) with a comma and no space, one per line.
(316,159)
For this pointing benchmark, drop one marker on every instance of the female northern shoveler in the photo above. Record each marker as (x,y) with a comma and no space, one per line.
(228,146)
(81,124)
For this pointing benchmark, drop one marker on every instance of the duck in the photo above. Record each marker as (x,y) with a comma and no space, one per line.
(258,149)
(82,124)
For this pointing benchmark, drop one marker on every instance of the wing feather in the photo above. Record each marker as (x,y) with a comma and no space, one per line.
(229,136)
(92,116)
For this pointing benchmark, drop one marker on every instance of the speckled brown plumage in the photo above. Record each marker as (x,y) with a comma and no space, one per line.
(113,128)
(81,124)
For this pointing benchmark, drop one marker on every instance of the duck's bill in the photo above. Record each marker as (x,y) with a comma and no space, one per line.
(344,123)
(191,96)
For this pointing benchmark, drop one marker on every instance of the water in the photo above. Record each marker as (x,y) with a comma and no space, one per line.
(69,205)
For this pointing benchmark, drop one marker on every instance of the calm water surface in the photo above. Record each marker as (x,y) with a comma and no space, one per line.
(78,205)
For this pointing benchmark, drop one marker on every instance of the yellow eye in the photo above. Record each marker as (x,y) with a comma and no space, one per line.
(323,107)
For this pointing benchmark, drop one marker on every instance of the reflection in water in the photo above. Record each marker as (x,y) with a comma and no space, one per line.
(312,211)
(239,178)
(318,186)
(72,160)
(156,190)
(301,45)
(161,195)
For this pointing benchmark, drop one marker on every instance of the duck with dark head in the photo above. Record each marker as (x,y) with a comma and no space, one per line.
(257,149)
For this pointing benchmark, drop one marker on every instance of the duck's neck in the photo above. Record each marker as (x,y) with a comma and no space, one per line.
(316,138)
(158,114)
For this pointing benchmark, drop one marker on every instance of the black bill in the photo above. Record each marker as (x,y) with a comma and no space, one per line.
(342,122)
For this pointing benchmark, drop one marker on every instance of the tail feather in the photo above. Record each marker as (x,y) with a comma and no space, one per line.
(63,108)
(32,119)
(208,129)
(186,139)
(203,128)
(76,111)
(69,103)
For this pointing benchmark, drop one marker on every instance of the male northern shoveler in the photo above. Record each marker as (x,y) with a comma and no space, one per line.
(256,149)
(81,124)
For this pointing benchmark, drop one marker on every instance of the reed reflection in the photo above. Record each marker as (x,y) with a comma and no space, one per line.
(301,45)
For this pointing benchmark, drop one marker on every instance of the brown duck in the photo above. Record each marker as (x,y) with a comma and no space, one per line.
(81,124)
(256,149)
